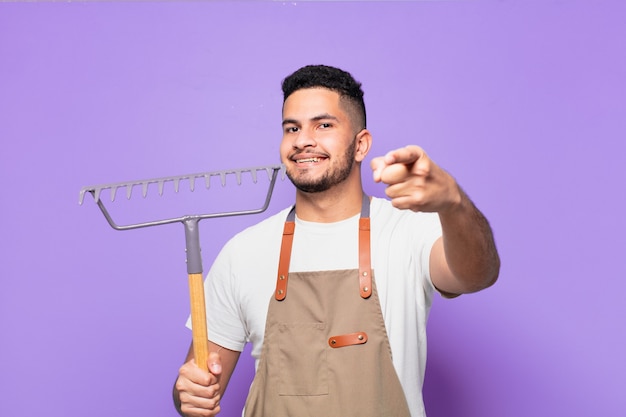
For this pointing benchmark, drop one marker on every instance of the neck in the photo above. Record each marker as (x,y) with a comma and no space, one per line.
(338,203)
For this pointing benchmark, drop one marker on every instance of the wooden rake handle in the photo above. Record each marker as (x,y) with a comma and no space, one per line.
(198,321)
(196,293)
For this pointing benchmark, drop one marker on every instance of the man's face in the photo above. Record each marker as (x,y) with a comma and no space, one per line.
(318,145)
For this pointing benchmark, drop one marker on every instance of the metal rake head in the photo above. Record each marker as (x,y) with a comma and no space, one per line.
(206,177)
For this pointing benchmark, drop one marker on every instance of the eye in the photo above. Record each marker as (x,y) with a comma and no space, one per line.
(291,129)
(325,125)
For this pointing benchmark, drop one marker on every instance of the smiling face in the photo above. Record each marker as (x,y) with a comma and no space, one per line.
(319,146)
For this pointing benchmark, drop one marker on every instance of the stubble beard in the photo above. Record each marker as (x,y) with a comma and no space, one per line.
(336,175)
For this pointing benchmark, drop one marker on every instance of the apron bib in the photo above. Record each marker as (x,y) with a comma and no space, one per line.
(325,350)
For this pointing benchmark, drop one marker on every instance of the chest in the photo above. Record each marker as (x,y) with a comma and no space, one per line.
(324,251)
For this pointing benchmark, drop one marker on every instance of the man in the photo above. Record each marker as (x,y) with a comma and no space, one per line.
(334,292)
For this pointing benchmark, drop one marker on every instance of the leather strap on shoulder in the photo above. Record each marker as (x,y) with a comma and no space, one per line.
(285,257)
(365,264)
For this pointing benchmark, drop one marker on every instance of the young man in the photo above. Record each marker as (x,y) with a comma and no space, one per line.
(334,292)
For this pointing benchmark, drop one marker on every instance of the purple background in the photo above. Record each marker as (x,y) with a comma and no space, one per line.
(524,102)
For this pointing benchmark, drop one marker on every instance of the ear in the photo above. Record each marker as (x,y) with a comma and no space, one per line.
(363,145)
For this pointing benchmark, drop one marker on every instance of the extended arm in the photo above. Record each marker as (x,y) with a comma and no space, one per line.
(465,258)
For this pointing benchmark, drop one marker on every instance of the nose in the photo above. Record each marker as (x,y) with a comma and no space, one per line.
(304,139)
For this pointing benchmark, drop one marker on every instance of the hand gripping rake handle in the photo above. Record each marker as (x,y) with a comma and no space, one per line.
(192,237)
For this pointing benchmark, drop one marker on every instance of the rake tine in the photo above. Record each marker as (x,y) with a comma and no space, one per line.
(96,191)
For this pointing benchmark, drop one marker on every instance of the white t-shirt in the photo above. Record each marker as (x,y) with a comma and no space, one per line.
(243,278)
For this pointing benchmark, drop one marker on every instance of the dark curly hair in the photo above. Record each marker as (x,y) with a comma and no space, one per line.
(335,79)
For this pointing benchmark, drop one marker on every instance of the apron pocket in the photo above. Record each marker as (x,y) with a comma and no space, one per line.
(302,359)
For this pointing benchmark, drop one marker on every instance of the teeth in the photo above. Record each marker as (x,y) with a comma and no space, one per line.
(308,160)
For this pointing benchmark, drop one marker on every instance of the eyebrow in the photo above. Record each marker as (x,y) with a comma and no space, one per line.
(324,116)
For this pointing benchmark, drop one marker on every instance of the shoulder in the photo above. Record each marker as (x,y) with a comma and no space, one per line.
(257,245)
(259,233)
(384,213)
(406,228)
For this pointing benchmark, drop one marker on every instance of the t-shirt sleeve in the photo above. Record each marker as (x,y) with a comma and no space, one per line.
(430,231)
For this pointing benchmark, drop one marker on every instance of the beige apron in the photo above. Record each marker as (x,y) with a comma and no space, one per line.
(325,350)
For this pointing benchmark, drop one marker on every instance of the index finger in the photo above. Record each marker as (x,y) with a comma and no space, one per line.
(407,155)
(378,165)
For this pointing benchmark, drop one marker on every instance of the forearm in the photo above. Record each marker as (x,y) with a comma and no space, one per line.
(469,248)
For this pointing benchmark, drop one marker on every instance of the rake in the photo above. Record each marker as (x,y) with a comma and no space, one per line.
(192,233)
